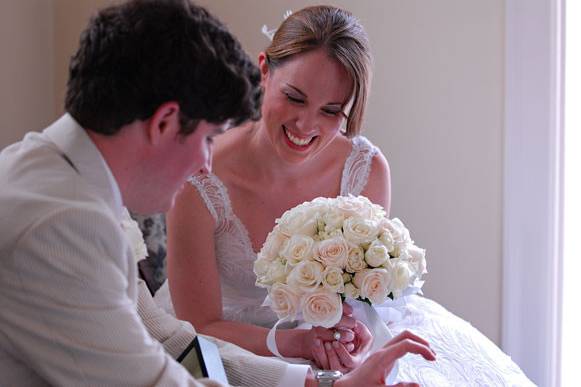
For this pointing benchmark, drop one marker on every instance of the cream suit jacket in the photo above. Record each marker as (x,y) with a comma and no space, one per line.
(68,282)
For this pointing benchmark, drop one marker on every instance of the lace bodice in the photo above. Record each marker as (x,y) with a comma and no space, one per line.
(235,257)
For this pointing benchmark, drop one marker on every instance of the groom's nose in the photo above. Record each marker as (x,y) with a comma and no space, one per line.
(207,167)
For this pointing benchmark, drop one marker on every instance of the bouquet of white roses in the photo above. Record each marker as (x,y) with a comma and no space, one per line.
(328,250)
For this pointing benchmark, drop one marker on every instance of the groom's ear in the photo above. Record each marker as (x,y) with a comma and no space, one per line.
(164,122)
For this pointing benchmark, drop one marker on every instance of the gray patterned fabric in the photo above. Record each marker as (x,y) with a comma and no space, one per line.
(152,269)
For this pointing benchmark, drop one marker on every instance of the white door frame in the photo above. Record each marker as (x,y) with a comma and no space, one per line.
(532,210)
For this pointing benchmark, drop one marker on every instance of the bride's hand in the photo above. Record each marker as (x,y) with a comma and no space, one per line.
(354,342)
(336,355)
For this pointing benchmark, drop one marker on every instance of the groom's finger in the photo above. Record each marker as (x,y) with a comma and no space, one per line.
(400,349)
(407,335)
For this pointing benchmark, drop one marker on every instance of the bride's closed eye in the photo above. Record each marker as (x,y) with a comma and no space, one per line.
(294,99)
(333,112)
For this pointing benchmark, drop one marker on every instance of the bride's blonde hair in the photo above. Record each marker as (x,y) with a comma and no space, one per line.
(342,36)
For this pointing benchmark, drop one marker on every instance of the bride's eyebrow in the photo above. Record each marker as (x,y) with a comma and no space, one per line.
(299,91)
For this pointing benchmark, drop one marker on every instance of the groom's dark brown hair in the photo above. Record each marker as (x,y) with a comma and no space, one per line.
(138,55)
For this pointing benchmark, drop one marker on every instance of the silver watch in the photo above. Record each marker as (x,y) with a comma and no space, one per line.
(327,378)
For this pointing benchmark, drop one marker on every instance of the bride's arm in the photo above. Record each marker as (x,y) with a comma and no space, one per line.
(195,283)
(378,188)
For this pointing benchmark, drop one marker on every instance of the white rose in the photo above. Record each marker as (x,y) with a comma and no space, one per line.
(399,233)
(332,221)
(359,230)
(373,284)
(401,275)
(298,248)
(332,252)
(269,272)
(347,277)
(134,236)
(404,232)
(333,279)
(284,300)
(351,206)
(387,239)
(272,245)
(351,291)
(261,270)
(377,254)
(319,205)
(322,308)
(277,271)
(299,220)
(417,259)
(306,276)
(378,211)
(355,260)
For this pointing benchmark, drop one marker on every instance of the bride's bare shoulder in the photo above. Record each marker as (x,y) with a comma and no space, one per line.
(339,149)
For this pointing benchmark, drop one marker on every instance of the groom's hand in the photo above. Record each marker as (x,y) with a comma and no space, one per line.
(375,370)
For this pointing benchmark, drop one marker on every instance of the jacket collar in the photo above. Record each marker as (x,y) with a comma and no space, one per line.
(80,151)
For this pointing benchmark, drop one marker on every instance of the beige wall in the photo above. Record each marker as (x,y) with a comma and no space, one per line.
(26,67)
(436,111)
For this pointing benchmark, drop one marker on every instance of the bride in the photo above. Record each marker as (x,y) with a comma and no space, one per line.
(316,76)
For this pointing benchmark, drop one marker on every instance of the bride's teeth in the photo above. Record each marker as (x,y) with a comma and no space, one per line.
(296,140)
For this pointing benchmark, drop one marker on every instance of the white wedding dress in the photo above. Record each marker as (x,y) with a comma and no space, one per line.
(465,357)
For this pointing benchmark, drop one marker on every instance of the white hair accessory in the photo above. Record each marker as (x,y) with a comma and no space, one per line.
(270,33)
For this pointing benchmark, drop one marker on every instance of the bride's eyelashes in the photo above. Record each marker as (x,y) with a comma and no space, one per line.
(299,101)
(294,99)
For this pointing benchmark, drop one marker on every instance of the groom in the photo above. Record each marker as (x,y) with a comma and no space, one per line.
(152,82)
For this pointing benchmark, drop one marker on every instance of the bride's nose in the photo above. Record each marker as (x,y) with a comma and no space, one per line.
(307,122)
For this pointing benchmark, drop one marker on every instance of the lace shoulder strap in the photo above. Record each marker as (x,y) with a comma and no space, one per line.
(215,196)
(357,166)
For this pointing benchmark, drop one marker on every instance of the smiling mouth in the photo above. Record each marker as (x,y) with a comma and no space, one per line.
(300,142)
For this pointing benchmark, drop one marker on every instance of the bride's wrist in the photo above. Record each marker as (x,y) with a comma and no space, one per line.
(295,343)
(306,344)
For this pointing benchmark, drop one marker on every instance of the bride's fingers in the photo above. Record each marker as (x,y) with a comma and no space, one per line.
(406,335)
(320,355)
(325,334)
(346,322)
(404,384)
(334,362)
(363,336)
(347,335)
(347,309)
(350,347)
(344,356)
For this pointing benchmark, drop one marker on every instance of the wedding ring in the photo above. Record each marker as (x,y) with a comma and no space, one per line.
(337,335)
